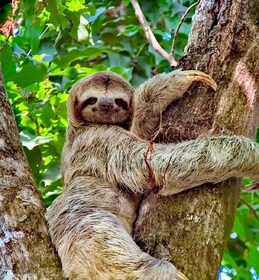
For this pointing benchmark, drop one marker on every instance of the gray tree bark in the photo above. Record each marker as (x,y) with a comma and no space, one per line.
(191,229)
(25,248)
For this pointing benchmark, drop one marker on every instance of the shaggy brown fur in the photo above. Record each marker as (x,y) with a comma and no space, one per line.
(104,171)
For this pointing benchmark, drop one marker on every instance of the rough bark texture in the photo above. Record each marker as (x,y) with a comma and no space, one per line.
(25,248)
(191,229)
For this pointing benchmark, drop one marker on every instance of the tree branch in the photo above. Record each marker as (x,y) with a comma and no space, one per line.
(150,36)
(180,23)
(252,210)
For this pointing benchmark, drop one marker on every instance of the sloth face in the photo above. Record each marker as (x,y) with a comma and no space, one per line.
(111,106)
(102,98)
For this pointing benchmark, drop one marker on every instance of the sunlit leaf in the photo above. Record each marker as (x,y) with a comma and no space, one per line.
(30,141)
(51,175)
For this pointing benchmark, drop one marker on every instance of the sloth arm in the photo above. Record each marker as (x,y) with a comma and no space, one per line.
(116,155)
(153,97)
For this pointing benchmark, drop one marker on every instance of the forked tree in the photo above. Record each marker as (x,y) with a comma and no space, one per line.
(191,228)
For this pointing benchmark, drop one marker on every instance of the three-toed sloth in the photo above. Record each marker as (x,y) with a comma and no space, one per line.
(104,171)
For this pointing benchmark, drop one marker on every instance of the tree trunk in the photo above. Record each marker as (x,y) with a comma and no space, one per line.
(25,248)
(191,229)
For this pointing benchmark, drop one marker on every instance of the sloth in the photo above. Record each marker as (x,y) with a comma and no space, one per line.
(105,172)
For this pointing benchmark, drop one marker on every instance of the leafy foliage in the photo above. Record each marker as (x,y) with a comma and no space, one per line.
(242,251)
(62,41)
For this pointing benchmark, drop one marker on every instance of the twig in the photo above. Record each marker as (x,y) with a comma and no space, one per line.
(150,150)
(150,170)
(179,25)
(6,40)
(252,210)
(253,187)
(150,36)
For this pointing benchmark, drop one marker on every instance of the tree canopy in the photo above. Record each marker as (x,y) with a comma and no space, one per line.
(48,45)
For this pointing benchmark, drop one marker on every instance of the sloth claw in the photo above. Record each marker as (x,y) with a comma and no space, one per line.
(195,75)
(180,276)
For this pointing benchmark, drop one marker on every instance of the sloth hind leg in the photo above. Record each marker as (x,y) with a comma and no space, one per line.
(100,248)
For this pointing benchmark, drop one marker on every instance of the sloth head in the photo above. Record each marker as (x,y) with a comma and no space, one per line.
(104,98)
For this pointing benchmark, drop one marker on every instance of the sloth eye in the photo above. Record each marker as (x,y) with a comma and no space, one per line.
(89,101)
(120,102)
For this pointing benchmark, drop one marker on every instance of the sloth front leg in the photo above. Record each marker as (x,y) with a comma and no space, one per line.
(153,97)
(177,167)
(119,158)
(205,160)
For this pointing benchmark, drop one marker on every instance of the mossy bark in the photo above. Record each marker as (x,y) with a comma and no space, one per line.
(25,248)
(191,229)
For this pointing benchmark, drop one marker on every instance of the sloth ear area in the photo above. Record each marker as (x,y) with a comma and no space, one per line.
(75,109)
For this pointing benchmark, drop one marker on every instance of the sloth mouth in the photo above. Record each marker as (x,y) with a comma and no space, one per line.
(110,116)
(108,111)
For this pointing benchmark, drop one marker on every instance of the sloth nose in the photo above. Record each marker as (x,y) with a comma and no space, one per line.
(105,104)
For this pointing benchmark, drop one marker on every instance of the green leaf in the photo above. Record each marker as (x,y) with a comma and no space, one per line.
(28,75)
(75,5)
(32,34)
(56,9)
(34,157)
(117,59)
(7,63)
(29,6)
(257,135)
(18,51)
(52,174)
(4,13)
(30,141)
(126,73)
(73,55)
